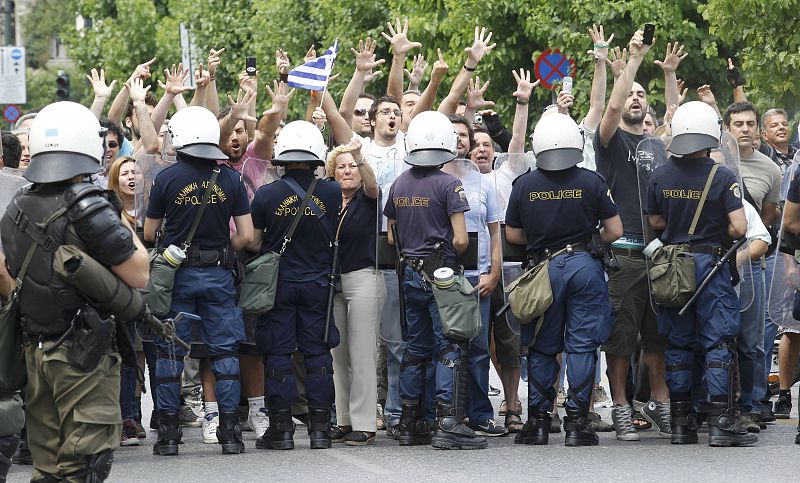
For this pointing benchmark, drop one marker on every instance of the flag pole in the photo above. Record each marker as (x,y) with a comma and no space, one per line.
(324,89)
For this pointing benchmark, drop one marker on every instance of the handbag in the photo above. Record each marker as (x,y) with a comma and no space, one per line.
(158,292)
(260,281)
(672,275)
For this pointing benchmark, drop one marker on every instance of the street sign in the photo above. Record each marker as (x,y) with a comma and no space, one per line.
(12,75)
(11,113)
(188,52)
(552,66)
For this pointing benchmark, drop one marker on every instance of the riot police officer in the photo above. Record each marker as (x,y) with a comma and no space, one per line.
(72,395)
(428,207)
(297,320)
(711,325)
(204,281)
(553,211)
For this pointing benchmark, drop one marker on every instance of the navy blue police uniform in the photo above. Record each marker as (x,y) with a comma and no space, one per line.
(557,210)
(708,329)
(204,284)
(297,320)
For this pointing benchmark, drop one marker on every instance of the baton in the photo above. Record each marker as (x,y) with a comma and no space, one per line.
(713,272)
(400,271)
(331,289)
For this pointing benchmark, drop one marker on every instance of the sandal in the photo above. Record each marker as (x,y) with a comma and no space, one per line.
(359,438)
(639,422)
(513,421)
(502,410)
(339,433)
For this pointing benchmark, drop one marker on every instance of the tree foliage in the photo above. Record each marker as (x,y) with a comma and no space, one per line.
(125,33)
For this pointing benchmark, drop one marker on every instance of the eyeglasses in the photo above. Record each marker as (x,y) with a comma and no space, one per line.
(112,144)
(386,111)
(359,112)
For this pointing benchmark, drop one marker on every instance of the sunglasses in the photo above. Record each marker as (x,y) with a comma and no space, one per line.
(112,144)
(386,111)
(359,112)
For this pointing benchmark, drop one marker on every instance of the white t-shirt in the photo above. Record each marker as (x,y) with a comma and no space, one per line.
(755,227)
(588,148)
(388,162)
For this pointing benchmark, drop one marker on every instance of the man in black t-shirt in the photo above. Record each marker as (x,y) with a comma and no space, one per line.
(297,320)
(204,281)
(635,326)
(709,328)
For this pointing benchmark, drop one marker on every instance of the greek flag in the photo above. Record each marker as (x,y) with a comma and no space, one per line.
(314,74)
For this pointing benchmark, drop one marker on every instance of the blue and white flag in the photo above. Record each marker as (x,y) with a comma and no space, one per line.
(314,74)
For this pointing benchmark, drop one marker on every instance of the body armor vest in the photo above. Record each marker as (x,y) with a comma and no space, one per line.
(47,305)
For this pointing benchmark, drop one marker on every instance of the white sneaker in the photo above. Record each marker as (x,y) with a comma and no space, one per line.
(194,399)
(259,422)
(210,425)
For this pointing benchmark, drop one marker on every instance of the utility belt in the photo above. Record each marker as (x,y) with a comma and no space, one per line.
(222,257)
(549,253)
(715,250)
(431,263)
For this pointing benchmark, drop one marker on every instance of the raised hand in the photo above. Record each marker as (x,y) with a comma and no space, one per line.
(311,54)
(101,90)
(524,85)
(399,37)
(213,61)
(735,78)
(600,43)
(175,78)
(240,107)
(319,118)
(248,82)
(417,72)
(365,55)
(439,67)
(280,95)
(142,71)
(673,57)
(682,91)
(282,61)
(201,77)
(372,75)
(564,102)
(480,46)
(636,47)
(618,59)
(475,93)
(137,90)
(705,95)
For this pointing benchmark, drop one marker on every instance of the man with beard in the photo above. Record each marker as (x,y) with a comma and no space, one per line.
(621,130)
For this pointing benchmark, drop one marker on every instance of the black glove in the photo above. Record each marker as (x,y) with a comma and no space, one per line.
(735,78)
(492,123)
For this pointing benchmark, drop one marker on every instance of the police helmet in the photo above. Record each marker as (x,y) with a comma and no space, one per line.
(430,140)
(194,131)
(66,140)
(557,142)
(695,127)
(300,142)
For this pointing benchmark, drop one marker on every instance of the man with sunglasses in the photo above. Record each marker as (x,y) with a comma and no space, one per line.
(360,123)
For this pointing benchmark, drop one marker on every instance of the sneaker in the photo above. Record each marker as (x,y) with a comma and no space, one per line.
(380,419)
(623,424)
(597,423)
(756,417)
(561,397)
(489,428)
(599,394)
(141,433)
(783,406)
(555,424)
(258,421)
(659,416)
(747,423)
(188,418)
(393,431)
(210,424)
(128,437)
(766,412)
(194,399)
(493,391)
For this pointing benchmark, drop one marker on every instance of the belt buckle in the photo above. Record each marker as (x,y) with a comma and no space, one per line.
(569,249)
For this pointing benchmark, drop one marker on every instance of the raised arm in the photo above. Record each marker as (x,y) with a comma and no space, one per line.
(669,65)
(173,85)
(117,109)
(249,83)
(522,96)
(365,62)
(475,53)
(400,46)
(340,129)
(428,97)
(736,81)
(597,97)
(622,88)
(240,111)
(705,95)
(263,143)
(147,134)
(475,100)
(101,91)
(201,80)
(212,63)
(417,72)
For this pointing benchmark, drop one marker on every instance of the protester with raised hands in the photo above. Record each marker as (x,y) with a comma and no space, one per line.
(351,99)
(102,92)
(174,88)
(400,45)
(479,48)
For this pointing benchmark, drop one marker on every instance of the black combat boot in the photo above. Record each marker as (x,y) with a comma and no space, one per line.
(8,446)
(229,433)
(452,433)
(578,430)
(723,430)
(684,423)
(169,434)
(99,467)
(536,429)
(23,456)
(414,430)
(280,434)
(319,428)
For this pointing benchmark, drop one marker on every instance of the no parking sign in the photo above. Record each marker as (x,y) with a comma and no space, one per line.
(552,66)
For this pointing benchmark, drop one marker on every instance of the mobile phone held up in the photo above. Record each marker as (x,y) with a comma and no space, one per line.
(566,84)
(250,66)
(649,32)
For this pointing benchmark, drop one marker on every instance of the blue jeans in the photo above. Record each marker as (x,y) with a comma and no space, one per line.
(751,343)
(479,407)
(392,335)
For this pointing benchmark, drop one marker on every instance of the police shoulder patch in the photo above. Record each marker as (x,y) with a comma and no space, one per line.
(737,192)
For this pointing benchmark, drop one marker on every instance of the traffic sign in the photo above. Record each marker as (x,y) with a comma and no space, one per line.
(12,75)
(552,66)
(11,113)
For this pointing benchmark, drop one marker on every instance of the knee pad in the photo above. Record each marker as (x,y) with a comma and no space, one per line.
(319,380)
(319,364)
(678,358)
(281,388)
(225,367)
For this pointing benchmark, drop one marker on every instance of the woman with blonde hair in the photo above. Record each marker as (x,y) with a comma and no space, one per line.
(122,181)
(360,300)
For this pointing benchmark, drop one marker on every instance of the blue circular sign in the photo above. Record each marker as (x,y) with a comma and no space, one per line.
(16,54)
(11,113)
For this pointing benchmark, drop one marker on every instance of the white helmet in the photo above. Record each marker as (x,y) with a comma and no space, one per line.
(194,131)
(695,127)
(300,142)
(66,140)
(430,140)
(557,142)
